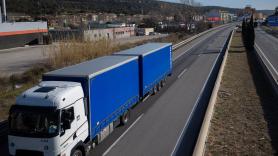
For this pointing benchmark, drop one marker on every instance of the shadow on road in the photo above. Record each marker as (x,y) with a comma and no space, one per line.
(268,98)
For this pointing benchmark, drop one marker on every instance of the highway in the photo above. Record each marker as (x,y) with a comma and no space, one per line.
(267,45)
(156,124)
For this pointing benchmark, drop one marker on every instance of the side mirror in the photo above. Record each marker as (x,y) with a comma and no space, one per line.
(66,124)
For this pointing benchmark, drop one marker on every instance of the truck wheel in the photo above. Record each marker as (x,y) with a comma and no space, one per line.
(154,90)
(77,152)
(158,87)
(163,83)
(124,118)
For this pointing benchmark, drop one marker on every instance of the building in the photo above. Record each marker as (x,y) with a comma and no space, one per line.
(219,16)
(144,31)
(198,18)
(108,33)
(259,16)
(213,16)
(272,20)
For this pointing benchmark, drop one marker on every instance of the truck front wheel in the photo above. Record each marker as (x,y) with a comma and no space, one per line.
(124,118)
(77,152)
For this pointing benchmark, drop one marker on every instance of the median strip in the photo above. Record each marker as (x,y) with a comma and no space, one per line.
(244,120)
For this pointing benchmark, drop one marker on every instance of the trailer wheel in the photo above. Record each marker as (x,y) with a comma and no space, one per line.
(77,152)
(158,86)
(154,90)
(124,118)
(163,83)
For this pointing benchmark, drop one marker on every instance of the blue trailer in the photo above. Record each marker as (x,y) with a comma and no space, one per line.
(155,64)
(110,84)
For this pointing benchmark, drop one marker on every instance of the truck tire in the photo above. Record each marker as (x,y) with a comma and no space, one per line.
(77,152)
(158,87)
(124,118)
(154,90)
(163,83)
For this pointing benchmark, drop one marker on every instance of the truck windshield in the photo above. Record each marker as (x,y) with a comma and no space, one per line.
(34,121)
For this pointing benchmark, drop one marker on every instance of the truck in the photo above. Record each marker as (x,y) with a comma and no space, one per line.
(75,108)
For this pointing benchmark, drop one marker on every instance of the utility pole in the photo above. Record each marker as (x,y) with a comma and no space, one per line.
(4,11)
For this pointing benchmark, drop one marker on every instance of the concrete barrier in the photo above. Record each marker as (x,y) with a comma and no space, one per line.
(201,142)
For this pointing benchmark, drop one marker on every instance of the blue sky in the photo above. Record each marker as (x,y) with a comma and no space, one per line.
(258,4)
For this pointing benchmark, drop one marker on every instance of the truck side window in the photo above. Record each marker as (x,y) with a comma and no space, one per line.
(67,118)
(68,114)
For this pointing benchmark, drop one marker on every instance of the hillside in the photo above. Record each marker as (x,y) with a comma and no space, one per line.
(39,7)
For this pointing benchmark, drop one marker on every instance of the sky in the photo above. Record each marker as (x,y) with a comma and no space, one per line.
(258,4)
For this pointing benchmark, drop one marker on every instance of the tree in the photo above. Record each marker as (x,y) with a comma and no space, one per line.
(248,33)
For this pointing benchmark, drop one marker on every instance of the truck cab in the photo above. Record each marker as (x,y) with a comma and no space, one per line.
(49,119)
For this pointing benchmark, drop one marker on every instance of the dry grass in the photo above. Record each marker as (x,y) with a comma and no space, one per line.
(73,51)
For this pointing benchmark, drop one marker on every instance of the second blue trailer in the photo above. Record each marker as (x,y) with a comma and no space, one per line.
(155,64)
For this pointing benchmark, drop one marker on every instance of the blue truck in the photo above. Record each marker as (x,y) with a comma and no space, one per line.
(76,107)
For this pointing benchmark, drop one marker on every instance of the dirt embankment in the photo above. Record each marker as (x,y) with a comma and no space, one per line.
(245,120)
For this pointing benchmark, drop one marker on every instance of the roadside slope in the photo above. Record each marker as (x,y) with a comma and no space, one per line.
(241,123)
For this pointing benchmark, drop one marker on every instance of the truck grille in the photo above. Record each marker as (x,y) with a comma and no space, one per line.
(28,153)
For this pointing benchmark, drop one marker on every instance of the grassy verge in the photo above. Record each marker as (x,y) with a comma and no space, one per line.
(245,115)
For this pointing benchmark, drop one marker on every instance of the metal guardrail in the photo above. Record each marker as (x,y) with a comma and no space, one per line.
(178,45)
(186,144)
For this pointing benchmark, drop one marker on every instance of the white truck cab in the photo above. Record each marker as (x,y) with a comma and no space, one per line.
(49,120)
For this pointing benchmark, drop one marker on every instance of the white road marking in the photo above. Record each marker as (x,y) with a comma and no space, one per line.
(192,47)
(114,144)
(266,58)
(146,98)
(181,74)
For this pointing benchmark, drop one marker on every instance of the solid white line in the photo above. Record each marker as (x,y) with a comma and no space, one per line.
(109,149)
(181,74)
(146,98)
(266,59)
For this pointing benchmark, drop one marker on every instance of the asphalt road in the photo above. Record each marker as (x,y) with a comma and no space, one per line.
(268,45)
(156,124)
